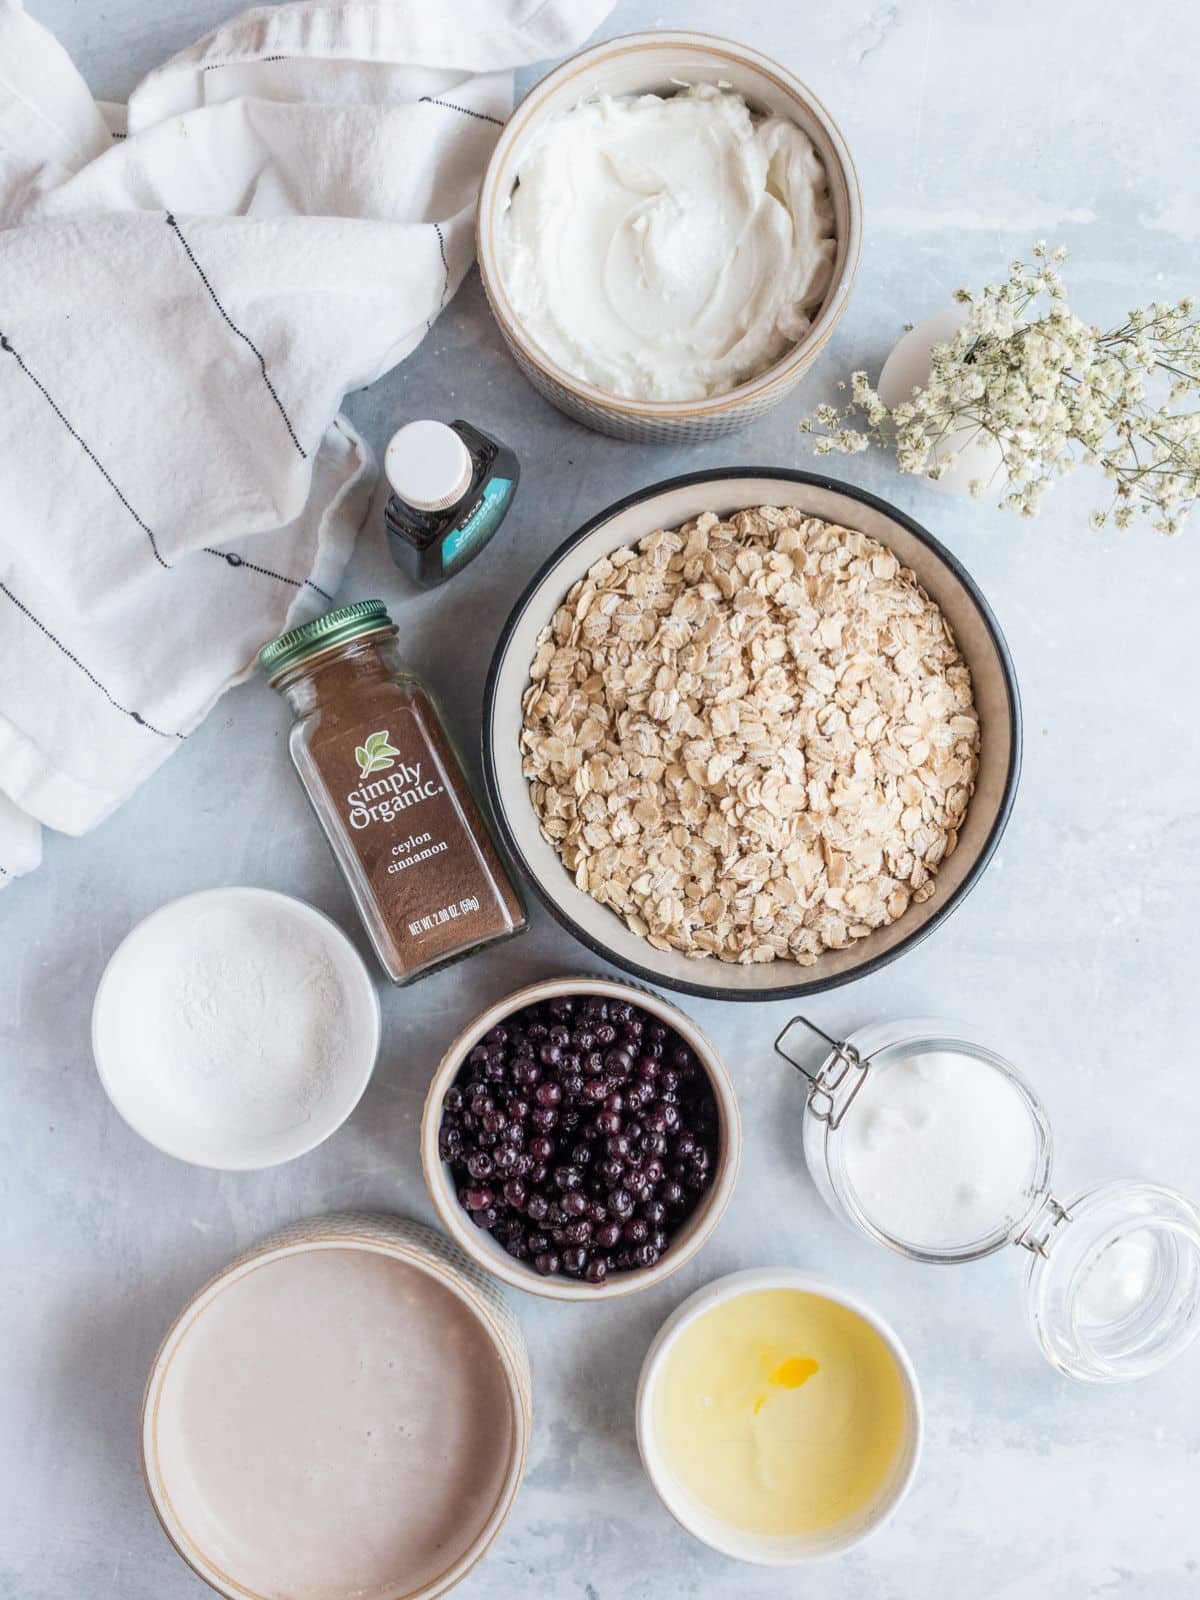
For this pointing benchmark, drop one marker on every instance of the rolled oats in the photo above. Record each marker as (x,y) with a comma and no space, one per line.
(751,739)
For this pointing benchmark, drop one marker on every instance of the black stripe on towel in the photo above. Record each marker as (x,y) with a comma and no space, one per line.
(84,446)
(135,716)
(442,247)
(232,558)
(465,111)
(244,337)
(216,66)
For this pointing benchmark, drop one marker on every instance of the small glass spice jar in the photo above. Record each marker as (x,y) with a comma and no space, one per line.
(934,1146)
(390,795)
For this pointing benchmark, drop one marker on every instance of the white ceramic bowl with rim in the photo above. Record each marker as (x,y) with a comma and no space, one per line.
(684,1244)
(402,1240)
(668,505)
(658,62)
(758,1549)
(144,1101)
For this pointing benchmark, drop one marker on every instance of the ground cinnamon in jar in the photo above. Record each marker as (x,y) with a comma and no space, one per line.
(390,794)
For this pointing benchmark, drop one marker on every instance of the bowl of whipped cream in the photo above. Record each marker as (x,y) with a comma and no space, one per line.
(668,231)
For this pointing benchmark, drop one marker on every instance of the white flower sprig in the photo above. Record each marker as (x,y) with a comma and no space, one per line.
(1048,390)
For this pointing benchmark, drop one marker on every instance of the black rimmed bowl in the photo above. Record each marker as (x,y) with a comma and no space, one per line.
(667,505)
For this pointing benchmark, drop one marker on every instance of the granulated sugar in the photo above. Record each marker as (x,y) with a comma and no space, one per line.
(940,1149)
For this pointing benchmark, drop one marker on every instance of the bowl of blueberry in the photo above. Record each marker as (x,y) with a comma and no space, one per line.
(581,1139)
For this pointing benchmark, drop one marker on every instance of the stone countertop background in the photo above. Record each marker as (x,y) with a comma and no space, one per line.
(976,129)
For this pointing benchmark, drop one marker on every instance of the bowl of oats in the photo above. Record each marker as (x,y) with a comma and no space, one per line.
(752,733)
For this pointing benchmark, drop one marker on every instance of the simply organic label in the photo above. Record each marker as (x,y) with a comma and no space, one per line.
(406,784)
(404,826)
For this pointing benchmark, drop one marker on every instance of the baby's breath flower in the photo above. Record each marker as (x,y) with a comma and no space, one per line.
(1047,390)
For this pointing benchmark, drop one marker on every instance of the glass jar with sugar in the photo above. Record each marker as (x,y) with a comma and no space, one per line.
(933,1145)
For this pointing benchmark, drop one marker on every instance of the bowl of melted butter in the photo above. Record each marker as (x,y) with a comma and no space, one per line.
(778,1417)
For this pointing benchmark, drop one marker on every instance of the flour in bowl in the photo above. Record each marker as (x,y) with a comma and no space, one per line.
(237,1019)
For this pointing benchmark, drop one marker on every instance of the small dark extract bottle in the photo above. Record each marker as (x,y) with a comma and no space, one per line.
(451,489)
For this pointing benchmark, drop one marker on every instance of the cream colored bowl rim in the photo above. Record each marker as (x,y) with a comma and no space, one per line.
(497,1261)
(529,110)
(719,1292)
(374,1237)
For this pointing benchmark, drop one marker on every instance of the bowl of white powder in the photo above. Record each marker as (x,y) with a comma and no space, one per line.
(235,1028)
(669,228)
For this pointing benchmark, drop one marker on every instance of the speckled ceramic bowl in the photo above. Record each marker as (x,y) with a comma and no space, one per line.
(485,1250)
(644,63)
(170,1489)
(668,505)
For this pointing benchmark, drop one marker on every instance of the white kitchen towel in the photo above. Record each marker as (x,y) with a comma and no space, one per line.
(186,293)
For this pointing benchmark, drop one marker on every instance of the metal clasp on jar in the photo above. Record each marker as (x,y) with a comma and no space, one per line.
(1038,1231)
(834,1087)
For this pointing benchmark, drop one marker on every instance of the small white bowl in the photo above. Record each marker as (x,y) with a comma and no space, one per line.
(698,1227)
(658,62)
(711,1530)
(141,1097)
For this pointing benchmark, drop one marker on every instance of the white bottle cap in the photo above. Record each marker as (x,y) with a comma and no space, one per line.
(428,465)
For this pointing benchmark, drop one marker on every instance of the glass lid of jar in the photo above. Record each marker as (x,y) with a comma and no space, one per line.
(1113,1287)
(938,1148)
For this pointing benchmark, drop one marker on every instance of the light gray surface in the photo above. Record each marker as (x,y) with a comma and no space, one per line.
(976,129)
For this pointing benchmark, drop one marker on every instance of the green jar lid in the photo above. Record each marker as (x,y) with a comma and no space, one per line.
(335,627)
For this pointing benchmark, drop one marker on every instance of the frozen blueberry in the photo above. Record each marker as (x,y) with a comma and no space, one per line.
(581,1133)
